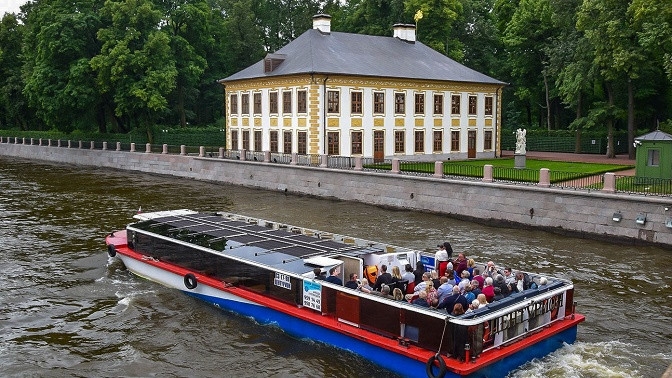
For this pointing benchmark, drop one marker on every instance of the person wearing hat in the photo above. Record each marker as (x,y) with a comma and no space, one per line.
(441,258)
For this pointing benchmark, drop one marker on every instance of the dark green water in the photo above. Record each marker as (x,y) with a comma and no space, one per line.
(67,310)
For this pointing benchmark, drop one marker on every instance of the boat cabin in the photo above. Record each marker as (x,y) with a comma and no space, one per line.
(277,261)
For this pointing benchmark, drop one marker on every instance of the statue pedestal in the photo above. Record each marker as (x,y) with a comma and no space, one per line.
(519,161)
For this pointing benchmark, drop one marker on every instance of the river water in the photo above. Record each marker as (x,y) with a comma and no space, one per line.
(69,310)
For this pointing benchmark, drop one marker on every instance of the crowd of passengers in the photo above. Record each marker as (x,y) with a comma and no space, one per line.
(455,285)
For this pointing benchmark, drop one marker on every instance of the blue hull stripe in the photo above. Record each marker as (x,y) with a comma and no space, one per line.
(397,363)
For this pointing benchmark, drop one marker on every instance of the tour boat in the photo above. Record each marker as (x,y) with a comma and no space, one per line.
(267,270)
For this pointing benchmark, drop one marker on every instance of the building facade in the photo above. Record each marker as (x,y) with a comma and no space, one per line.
(355,95)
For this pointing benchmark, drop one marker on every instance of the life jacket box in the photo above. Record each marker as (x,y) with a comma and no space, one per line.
(371,274)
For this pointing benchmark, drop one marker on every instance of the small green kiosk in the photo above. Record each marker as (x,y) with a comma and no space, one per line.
(654,155)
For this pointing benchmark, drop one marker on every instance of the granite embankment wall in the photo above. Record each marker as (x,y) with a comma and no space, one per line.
(586,214)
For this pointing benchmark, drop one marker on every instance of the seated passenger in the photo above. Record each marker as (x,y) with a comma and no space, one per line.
(419,287)
(500,282)
(449,302)
(434,275)
(353,283)
(384,291)
(432,297)
(397,294)
(468,293)
(396,274)
(421,300)
(498,294)
(482,301)
(383,278)
(488,290)
(364,286)
(457,310)
(477,276)
(473,305)
(333,276)
(445,289)
(318,274)
(475,288)
(408,274)
(418,272)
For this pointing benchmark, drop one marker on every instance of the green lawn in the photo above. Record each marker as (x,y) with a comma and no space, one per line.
(558,166)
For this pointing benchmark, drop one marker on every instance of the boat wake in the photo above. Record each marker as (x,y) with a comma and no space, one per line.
(579,360)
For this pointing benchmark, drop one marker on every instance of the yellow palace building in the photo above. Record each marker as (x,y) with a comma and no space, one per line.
(333,93)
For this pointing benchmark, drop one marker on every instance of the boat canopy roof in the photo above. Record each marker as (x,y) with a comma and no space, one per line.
(282,247)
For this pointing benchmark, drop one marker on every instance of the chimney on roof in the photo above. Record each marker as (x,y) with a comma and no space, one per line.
(322,22)
(405,32)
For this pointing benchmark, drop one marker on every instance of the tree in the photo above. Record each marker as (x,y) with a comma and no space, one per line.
(59,83)
(434,29)
(187,24)
(478,34)
(527,39)
(617,55)
(13,105)
(136,65)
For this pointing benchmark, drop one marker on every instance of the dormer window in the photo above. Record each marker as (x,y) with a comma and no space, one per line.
(272,61)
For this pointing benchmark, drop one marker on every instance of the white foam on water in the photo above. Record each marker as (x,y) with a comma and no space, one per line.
(613,359)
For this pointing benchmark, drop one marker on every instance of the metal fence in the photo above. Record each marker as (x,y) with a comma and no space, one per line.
(644,185)
(562,180)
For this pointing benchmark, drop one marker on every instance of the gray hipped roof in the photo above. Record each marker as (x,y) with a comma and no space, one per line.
(655,136)
(364,55)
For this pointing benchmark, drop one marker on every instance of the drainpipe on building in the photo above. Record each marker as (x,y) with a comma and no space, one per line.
(324,115)
(497,115)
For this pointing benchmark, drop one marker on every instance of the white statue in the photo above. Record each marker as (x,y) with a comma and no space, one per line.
(520,141)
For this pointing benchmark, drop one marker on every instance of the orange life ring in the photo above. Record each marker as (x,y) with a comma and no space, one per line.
(486,332)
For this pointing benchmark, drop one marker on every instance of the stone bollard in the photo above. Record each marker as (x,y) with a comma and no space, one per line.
(148,148)
(609,183)
(1,139)
(93,145)
(58,144)
(69,143)
(24,140)
(40,142)
(118,146)
(32,141)
(183,149)
(80,144)
(295,159)
(49,142)
(359,163)
(267,156)
(324,161)
(16,140)
(165,149)
(544,178)
(243,154)
(201,151)
(104,146)
(132,147)
(221,152)
(395,166)
(438,169)
(487,173)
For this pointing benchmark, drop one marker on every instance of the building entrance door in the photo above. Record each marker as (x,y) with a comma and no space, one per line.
(471,144)
(378,146)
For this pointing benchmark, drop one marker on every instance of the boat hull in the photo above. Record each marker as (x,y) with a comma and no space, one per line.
(495,364)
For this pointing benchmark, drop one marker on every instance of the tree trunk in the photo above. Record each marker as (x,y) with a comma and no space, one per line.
(610,123)
(180,106)
(631,120)
(548,104)
(577,140)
